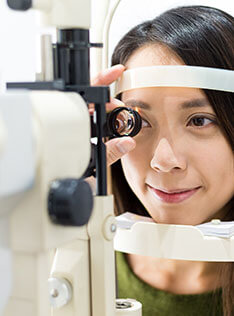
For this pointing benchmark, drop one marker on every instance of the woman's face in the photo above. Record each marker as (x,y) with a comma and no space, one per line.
(182,168)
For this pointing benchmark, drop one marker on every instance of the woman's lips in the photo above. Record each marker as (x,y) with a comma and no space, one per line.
(174,196)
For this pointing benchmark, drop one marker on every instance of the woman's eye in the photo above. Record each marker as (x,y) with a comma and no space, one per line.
(200,121)
(144,123)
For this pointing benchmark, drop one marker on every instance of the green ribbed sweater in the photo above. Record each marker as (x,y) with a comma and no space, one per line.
(161,303)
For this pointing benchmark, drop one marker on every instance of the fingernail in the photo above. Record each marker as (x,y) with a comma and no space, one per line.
(125,146)
(117,102)
(120,66)
(109,70)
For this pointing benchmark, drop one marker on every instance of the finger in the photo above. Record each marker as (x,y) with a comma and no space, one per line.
(114,103)
(118,147)
(92,183)
(108,76)
(91,111)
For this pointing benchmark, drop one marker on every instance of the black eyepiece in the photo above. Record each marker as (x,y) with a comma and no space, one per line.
(21,5)
(123,121)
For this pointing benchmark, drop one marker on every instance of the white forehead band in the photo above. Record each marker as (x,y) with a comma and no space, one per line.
(176,76)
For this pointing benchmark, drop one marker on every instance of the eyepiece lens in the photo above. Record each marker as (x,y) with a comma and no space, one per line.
(124,122)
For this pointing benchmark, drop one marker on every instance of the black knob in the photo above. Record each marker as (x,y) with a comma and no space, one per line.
(21,5)
(70,202)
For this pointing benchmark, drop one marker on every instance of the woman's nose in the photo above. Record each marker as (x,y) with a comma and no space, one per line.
(165,159)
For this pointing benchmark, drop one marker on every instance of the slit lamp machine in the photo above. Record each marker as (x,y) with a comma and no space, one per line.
(60,234)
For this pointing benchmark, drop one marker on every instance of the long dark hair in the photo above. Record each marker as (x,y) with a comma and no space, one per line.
(200,36)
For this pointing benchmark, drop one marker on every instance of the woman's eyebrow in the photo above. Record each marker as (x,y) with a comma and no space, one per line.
(196,103)
(138,103)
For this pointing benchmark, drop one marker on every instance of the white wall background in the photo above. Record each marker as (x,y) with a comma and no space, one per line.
(17,44)
(132,12)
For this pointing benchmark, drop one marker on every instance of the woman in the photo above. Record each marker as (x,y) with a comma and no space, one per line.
(179,169)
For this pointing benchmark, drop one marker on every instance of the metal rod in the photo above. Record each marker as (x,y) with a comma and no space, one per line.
(101,172)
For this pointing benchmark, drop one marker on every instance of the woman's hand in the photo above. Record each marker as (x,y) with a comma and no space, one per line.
(116,147)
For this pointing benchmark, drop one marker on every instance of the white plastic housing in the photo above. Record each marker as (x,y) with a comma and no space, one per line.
(62,149)
(65,13)
(3,135)
(56,118)
(17,166)
(182,242)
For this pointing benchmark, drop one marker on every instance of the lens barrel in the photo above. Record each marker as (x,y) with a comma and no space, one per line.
(123,121)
